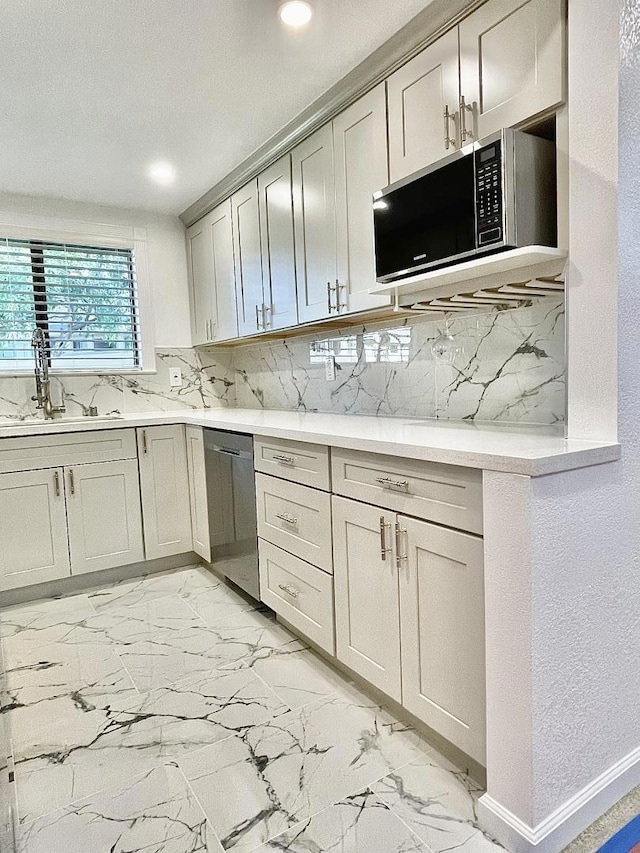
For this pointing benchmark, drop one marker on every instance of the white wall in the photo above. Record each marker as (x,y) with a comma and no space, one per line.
(563,590)
(167,256)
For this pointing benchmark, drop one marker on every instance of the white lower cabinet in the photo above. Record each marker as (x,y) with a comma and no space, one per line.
(103,515)
(366,594)
(33,528)
(442,631)
(164,485)
(198,493)
(409,608)
(299,592)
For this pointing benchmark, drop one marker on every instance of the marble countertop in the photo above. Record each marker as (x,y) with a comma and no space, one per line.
(529,451)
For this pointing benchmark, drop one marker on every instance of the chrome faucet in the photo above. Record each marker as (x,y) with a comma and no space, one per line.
(43,381)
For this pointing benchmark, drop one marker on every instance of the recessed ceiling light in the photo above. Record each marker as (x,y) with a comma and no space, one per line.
(162,173)
(296,13)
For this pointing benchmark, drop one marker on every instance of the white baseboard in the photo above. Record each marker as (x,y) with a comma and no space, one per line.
(566,822)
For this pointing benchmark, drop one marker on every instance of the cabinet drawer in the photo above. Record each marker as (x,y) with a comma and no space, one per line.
(300,593)
(303,463)
(445,494)
(29,453)
(295,518)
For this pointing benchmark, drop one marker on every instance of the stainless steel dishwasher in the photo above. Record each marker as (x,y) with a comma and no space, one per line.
(231,494)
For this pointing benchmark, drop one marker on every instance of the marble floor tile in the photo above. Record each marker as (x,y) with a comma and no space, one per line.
(44,621)
(182,582)
(65,762)
(438,802)
(257,785)
(358,824)
(299,677)
(153,813)
(58,682)
(198,648)
(216,604)
(156,620)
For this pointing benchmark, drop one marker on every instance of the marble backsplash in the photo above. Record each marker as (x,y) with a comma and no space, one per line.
(207,382)
(495,366)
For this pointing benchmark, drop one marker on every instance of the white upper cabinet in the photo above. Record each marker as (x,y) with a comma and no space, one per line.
(200,267)
(224,322)
(512,61)
(361,168)
(212,277)
(277,242)
(424,96)
(314,208)
(248,263)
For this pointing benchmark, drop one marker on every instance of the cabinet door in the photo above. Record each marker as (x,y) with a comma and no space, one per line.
(164,484)
(366,593)
(246,242)
(360,142)
(103,512)
(33,528)
(512,62)
(198,492)
(442,619)
(200,268)
(419,95)
(223,283)
(314,207)
(276,237)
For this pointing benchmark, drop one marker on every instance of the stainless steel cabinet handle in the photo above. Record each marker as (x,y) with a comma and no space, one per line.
(144,441)
(286,460)
(339,305)
(56,482)
(388,483)
(258,317)
(449,141)
(464,109)
(72,485)
(400,557)
(383,539)
(266,309)
(289,519)
(289,589)
(329,300)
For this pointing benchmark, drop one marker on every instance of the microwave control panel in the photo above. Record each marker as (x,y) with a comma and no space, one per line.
(489,213)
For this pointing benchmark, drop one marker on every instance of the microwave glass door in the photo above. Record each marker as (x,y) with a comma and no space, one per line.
(427,220)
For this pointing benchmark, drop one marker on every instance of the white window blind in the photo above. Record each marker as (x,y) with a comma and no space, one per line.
(83,297)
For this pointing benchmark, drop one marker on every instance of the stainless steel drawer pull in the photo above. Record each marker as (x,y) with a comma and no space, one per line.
(72,485)
(289,519)
(400,557)
(388,483)
(287,460)
(383,539)
(289,589)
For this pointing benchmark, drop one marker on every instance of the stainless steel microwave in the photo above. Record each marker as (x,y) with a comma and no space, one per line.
(498,193)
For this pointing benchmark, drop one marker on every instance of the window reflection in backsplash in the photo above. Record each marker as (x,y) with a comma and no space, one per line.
(383,346)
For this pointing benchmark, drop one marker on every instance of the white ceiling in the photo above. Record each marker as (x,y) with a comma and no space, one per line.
(93,91)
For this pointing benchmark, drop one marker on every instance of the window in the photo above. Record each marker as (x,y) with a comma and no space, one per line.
(84,298)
